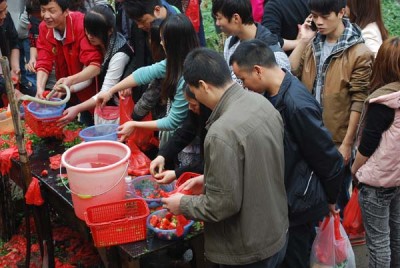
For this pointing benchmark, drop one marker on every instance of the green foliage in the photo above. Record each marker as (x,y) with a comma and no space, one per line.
(391,16)
(213,39)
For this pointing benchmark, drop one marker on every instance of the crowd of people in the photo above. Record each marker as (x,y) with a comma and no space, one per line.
(302,105)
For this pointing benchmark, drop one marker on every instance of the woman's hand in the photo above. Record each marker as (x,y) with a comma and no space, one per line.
(30,66)
(157,165)
(103,97)
(68,116)
(125,93)
(125,130)
(165,177)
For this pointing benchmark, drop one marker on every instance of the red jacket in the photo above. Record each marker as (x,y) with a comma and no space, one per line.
(70,57)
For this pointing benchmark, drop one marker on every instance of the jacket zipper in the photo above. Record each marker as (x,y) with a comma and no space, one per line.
(308,183)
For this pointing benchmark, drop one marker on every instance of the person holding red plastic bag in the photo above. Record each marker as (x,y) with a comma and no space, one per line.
(376,166)
(331,247)
(178,39)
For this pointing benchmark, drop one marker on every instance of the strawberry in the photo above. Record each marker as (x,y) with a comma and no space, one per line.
(164,224)
(171,226)
(44,173)
(154,220)
(169,216)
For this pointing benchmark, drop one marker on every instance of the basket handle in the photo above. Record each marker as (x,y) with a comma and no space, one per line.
(87,196)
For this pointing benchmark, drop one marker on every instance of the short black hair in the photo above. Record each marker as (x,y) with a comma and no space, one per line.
(99,21)
(188,93)
(207,65)
(229,7)
(253,52)
(31,6)
(326,6)
(136,9)
(64,4)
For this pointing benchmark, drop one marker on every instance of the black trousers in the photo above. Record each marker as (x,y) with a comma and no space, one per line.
(299,246)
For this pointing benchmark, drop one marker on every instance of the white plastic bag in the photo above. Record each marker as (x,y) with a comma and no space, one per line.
(331,247)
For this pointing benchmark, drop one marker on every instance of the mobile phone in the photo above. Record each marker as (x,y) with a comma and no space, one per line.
(313,26)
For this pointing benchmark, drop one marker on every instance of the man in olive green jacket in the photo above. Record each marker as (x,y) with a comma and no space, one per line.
(241,197)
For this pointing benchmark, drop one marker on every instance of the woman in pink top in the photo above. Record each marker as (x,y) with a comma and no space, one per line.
(377,164)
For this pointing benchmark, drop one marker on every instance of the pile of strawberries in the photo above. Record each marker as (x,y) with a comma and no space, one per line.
(169,222)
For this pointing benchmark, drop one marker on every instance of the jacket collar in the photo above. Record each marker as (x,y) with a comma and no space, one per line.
(69,36)
(350,36)
(262,33)
(286,82)
(232,93)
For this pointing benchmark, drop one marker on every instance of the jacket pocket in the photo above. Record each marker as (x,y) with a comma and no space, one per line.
(308,194)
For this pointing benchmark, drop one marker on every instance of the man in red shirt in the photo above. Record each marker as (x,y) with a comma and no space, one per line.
(62,43)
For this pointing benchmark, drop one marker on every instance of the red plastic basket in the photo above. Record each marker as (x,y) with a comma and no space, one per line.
(43,127)
(118,222)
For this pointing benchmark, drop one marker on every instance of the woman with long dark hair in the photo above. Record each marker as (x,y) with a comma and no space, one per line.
(368,15)
(101,32)
(376,166)
(178,38)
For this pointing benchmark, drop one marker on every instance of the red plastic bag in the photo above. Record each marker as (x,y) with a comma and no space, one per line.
(139,163)
(331,247)
(5,159)
(352,218)
(193,13)
(144,138)
(125,109)
(33,195)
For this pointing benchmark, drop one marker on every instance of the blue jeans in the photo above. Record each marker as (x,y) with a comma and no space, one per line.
(380,208)
(28,79)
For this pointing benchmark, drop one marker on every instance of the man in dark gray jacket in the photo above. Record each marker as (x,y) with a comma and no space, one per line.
(313,166)
(241,197)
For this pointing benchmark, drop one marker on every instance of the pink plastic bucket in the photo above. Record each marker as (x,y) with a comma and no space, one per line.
(96,172)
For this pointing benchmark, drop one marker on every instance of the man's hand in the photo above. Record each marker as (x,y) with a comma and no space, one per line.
(157,165)
(39,93)
(332,209)
(194,185)
(306,34)
(65,80)
(165,177)
(345,150)
(172,203)
(126,130)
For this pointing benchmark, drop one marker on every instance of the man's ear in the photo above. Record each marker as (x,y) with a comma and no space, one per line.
(236,18)
(341,13)
(157,11)
(258,70)
(203,86)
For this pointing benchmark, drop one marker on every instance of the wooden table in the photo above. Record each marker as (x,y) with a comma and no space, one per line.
(128,255)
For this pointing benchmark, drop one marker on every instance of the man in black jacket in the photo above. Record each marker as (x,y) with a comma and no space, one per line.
(8,45)
(282,18)
(313,165)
